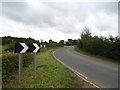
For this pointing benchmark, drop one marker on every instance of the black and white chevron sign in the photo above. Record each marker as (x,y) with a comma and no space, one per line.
(42,46)
(24,47)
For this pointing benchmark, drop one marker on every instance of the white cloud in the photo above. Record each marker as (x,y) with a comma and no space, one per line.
(53,20)
(103,23)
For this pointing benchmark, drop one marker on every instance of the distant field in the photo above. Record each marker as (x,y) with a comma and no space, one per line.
(4,47)
(7,47)
(50,74)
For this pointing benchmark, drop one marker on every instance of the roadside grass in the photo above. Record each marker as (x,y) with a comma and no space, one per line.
(49,74)
(93,55)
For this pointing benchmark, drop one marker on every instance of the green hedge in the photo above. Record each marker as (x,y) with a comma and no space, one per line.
(10,63)
(102,46)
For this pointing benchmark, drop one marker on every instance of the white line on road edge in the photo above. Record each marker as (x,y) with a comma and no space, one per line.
(76,72)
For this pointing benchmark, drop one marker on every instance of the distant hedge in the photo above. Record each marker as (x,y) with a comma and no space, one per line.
(102,46)
(13,40)
(10,63)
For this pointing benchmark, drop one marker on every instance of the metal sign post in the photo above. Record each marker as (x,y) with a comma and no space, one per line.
(34,66)
(21,61)
(19,69)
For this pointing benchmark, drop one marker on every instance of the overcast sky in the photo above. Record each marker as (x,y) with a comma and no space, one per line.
(58,20)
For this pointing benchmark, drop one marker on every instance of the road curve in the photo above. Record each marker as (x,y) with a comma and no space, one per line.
(101,72)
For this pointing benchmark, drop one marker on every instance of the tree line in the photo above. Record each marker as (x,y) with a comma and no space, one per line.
(10,41)
(13,40)
(102,46)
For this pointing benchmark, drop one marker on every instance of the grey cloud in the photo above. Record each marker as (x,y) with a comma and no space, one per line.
(0,9)
(15,11)
(119,19)
(110,7)
(20,12)
(45,15)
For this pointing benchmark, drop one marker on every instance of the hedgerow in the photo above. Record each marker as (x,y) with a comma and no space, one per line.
(10,63)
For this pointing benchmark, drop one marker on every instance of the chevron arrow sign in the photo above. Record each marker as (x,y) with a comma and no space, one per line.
(42,46)
(24,47)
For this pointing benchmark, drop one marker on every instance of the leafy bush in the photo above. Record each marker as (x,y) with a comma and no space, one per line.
(10,63)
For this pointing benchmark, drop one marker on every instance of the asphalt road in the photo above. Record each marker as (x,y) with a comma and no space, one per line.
(103,73)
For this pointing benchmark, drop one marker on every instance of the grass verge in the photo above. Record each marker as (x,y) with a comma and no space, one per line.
(50,74)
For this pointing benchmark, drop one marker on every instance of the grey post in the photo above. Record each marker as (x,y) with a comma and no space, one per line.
(34,64)
(19,68)
(21,61)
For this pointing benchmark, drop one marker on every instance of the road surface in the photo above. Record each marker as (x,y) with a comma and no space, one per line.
(101,72)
